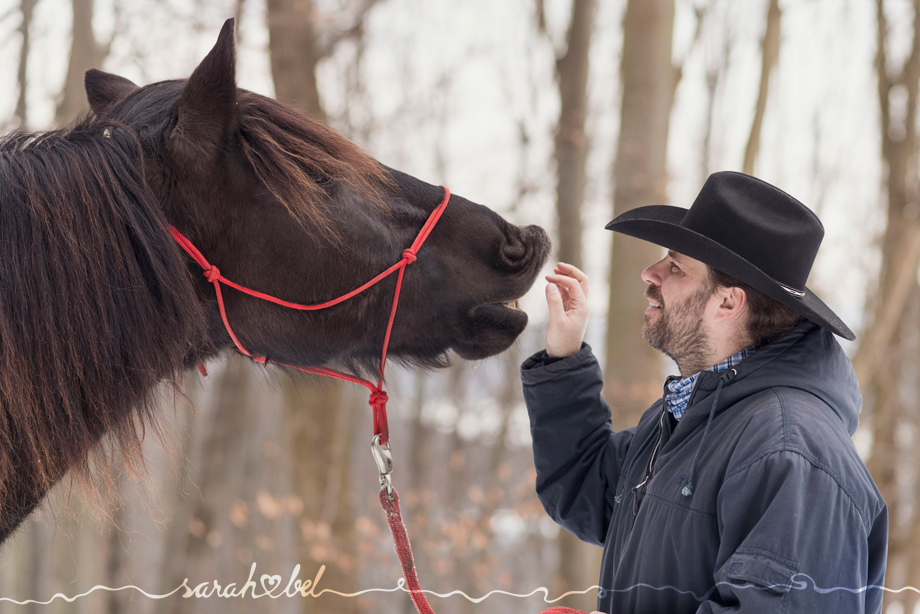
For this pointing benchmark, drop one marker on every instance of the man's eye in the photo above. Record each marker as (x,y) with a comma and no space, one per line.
(675,268)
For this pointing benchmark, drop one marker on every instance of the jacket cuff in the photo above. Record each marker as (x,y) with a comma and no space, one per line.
(540,367)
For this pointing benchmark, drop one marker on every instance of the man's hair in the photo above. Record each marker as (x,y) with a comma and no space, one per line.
(767,318)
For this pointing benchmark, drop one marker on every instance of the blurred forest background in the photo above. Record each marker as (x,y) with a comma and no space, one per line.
(557,112)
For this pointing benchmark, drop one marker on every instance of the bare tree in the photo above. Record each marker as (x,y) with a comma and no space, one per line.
(878,359)
(578,561)
(318,420)
(293,47)
(901,242)
(27,9)
(85,53)
(318,415)
(649,78)
(716,66)
(771,43)
(571,142)
(300,36)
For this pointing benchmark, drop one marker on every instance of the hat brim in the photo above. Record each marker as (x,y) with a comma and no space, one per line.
(661,224)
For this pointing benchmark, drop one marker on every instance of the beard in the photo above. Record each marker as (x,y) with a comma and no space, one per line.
(679,332)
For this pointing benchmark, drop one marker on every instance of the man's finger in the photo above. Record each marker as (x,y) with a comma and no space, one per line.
(570,285)
(571,271)
(554,302)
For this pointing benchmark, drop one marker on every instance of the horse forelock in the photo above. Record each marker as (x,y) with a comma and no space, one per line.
(294,156)
(96,305)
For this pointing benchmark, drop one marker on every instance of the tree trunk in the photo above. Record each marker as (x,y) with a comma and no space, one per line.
(571,140)
(84,54)
(901,241)
(293,49)
(317,416)
(877,365)
(632,373)
(318,419)
(771,42)
(578,561)
(26,8)
(224,426)
(117,559)
(911,598)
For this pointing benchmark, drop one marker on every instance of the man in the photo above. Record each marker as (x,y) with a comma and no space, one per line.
(740,490)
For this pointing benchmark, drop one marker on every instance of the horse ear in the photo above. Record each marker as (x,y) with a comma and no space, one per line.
(102,89)
(207,106)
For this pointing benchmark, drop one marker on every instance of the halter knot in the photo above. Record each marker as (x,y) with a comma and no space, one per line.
(378,398)
(212,273)
(262,360)
(409,254)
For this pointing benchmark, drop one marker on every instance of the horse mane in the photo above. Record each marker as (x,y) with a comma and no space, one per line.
(295,156)
(96,304)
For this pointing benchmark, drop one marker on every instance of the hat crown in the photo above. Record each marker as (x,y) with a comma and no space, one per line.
(759,222)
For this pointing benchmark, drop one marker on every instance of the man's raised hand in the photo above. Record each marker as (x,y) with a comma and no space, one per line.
(567,298)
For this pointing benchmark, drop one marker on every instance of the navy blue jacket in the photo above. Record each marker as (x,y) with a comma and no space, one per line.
(782,515)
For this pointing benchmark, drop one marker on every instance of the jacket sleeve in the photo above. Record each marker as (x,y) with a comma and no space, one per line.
(577,455)
(793,540)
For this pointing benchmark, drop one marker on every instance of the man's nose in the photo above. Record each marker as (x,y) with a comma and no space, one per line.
(652,274)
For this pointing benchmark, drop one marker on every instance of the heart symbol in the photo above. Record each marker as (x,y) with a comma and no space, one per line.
(274,582)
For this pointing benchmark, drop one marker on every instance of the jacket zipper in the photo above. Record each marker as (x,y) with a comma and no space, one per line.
(637,489)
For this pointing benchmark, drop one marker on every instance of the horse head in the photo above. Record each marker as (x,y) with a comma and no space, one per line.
(285,205)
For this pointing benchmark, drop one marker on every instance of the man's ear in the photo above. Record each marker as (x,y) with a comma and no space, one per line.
(733,302)
(206,109)
(103,89)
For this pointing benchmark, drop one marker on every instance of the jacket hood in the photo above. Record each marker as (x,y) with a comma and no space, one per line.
(811,360)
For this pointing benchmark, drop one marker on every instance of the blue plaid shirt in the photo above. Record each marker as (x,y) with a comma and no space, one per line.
(681,389)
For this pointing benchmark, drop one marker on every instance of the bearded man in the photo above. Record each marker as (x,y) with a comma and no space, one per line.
(740,489)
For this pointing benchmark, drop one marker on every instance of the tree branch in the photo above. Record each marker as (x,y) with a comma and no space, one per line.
(771,44)
(27,7)
(540,7)
(881,69)
(327,47)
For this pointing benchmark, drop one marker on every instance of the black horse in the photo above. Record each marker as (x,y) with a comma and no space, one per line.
(98,304)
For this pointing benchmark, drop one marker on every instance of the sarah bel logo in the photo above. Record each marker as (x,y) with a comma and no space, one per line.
(268,586)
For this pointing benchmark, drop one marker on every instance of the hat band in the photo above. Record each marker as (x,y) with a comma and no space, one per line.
(792,291)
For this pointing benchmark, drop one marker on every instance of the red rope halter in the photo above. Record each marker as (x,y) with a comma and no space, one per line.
(378,397)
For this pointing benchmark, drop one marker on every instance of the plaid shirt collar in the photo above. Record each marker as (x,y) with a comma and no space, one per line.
(681,389)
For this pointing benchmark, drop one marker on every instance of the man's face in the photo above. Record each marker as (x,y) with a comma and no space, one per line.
(676,320)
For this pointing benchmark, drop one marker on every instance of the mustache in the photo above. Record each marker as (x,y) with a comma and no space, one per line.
(652,293)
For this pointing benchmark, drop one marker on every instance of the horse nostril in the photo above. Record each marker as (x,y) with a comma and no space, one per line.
(514,251)
(523,246)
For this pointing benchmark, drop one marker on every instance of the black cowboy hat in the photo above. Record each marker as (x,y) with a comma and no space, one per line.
(748,229)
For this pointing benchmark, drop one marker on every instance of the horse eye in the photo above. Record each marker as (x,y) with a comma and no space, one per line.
(322,179)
